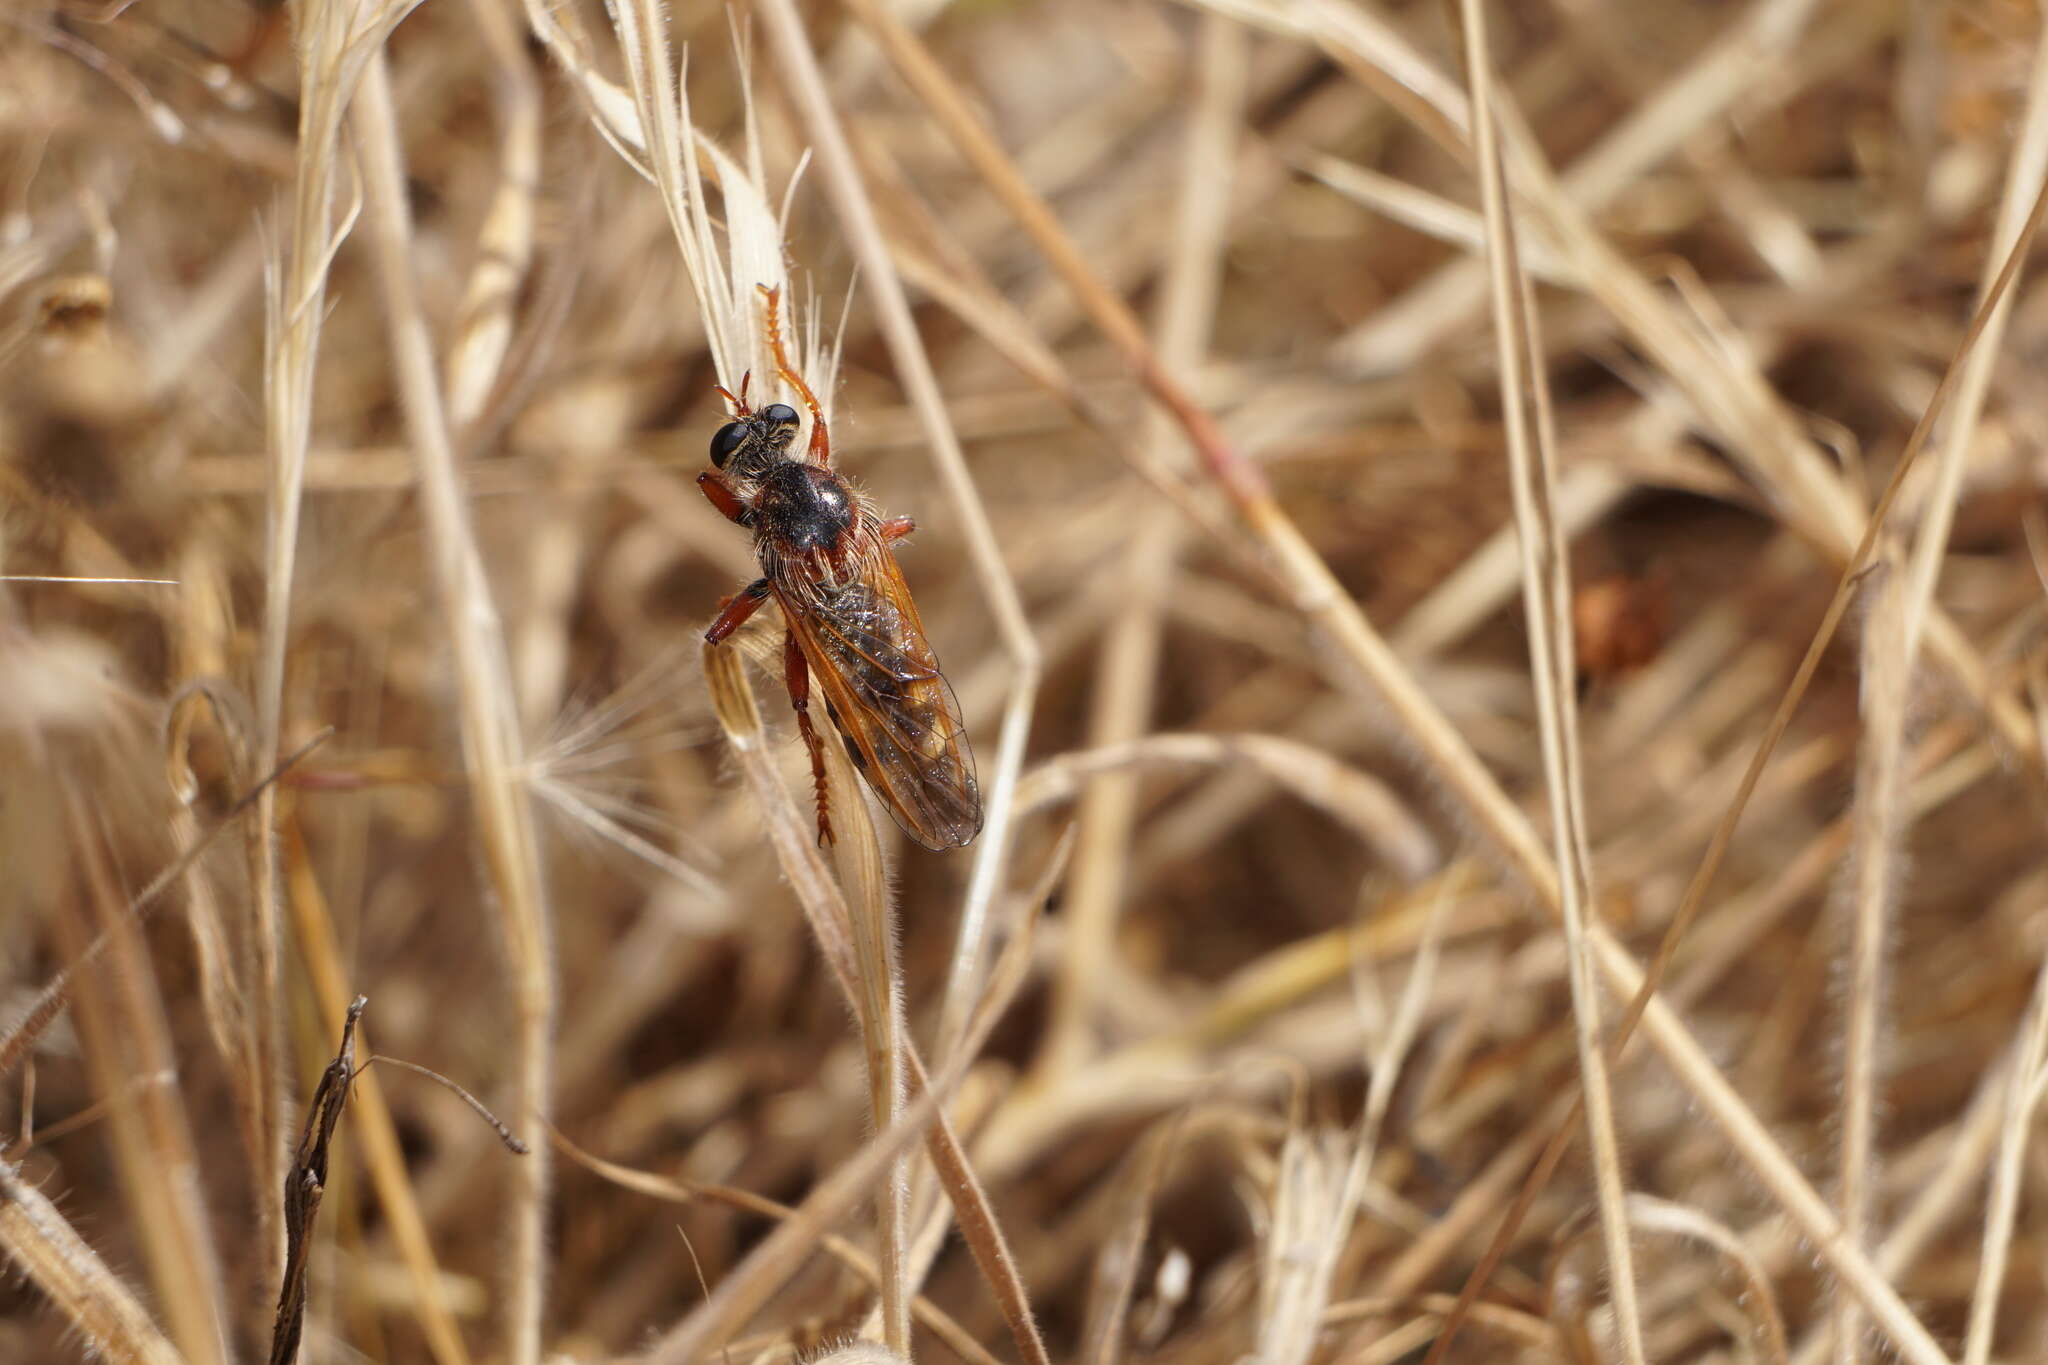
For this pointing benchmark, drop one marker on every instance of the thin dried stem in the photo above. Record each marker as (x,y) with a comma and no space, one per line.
(488,712)
(2001,1204)
(1546,595)
(879,1006)
(1875,876)
(333,41)
(830,920)
(122,1024)
(754,1281)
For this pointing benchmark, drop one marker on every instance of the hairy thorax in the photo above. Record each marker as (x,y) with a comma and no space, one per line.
(806,515)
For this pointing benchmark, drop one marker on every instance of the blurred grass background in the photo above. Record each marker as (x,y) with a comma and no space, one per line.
(1797,205)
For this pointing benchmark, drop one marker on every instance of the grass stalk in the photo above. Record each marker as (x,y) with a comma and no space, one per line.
(1546,590)
(1874,860)
(126,1039)
(329,51)
(487,711)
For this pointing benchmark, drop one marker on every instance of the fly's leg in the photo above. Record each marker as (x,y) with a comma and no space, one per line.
(797,674)
(821,439)
(719,494)
(734,611)
(895,528)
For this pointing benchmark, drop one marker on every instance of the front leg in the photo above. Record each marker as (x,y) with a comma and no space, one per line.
(720,495)
(734,611)
(796,673)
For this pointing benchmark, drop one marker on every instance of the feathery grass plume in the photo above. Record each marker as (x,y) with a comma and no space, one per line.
(579,769)
(727,269)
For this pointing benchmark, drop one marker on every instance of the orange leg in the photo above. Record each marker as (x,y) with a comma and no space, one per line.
(895,528)
(797,674)
(821,439)
(734,611)
(720,495)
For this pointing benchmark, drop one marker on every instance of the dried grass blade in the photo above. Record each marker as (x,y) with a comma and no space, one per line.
(1546,596)
(1358,800)
(1651,1214)
(754,1281)
(70,1274)
(1114,1278)
(979,1226)
(488,709)
(504,247)
(825,907)
(1643,998)
(126,1035)
(850,947)
(333,41)
(883,1031)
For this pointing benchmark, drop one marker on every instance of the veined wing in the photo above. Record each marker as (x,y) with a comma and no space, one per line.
(885,695)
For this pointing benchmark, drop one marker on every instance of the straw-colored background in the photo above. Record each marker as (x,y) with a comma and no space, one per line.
(1318,797)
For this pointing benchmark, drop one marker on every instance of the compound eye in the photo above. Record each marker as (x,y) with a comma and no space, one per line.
(778,413)
(726,442)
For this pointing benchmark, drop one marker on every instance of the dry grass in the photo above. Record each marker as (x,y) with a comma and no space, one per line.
(1243,362)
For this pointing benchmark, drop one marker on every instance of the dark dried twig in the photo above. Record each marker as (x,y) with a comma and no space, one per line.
(306,1183)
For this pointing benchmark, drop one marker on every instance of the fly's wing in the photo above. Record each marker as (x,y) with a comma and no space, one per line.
(884,692)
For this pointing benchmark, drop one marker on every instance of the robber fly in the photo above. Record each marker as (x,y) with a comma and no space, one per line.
(825,559)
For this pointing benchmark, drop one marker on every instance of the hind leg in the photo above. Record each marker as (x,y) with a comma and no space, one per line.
(796,674)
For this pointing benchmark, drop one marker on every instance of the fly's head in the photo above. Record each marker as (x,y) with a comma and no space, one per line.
(755,441)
